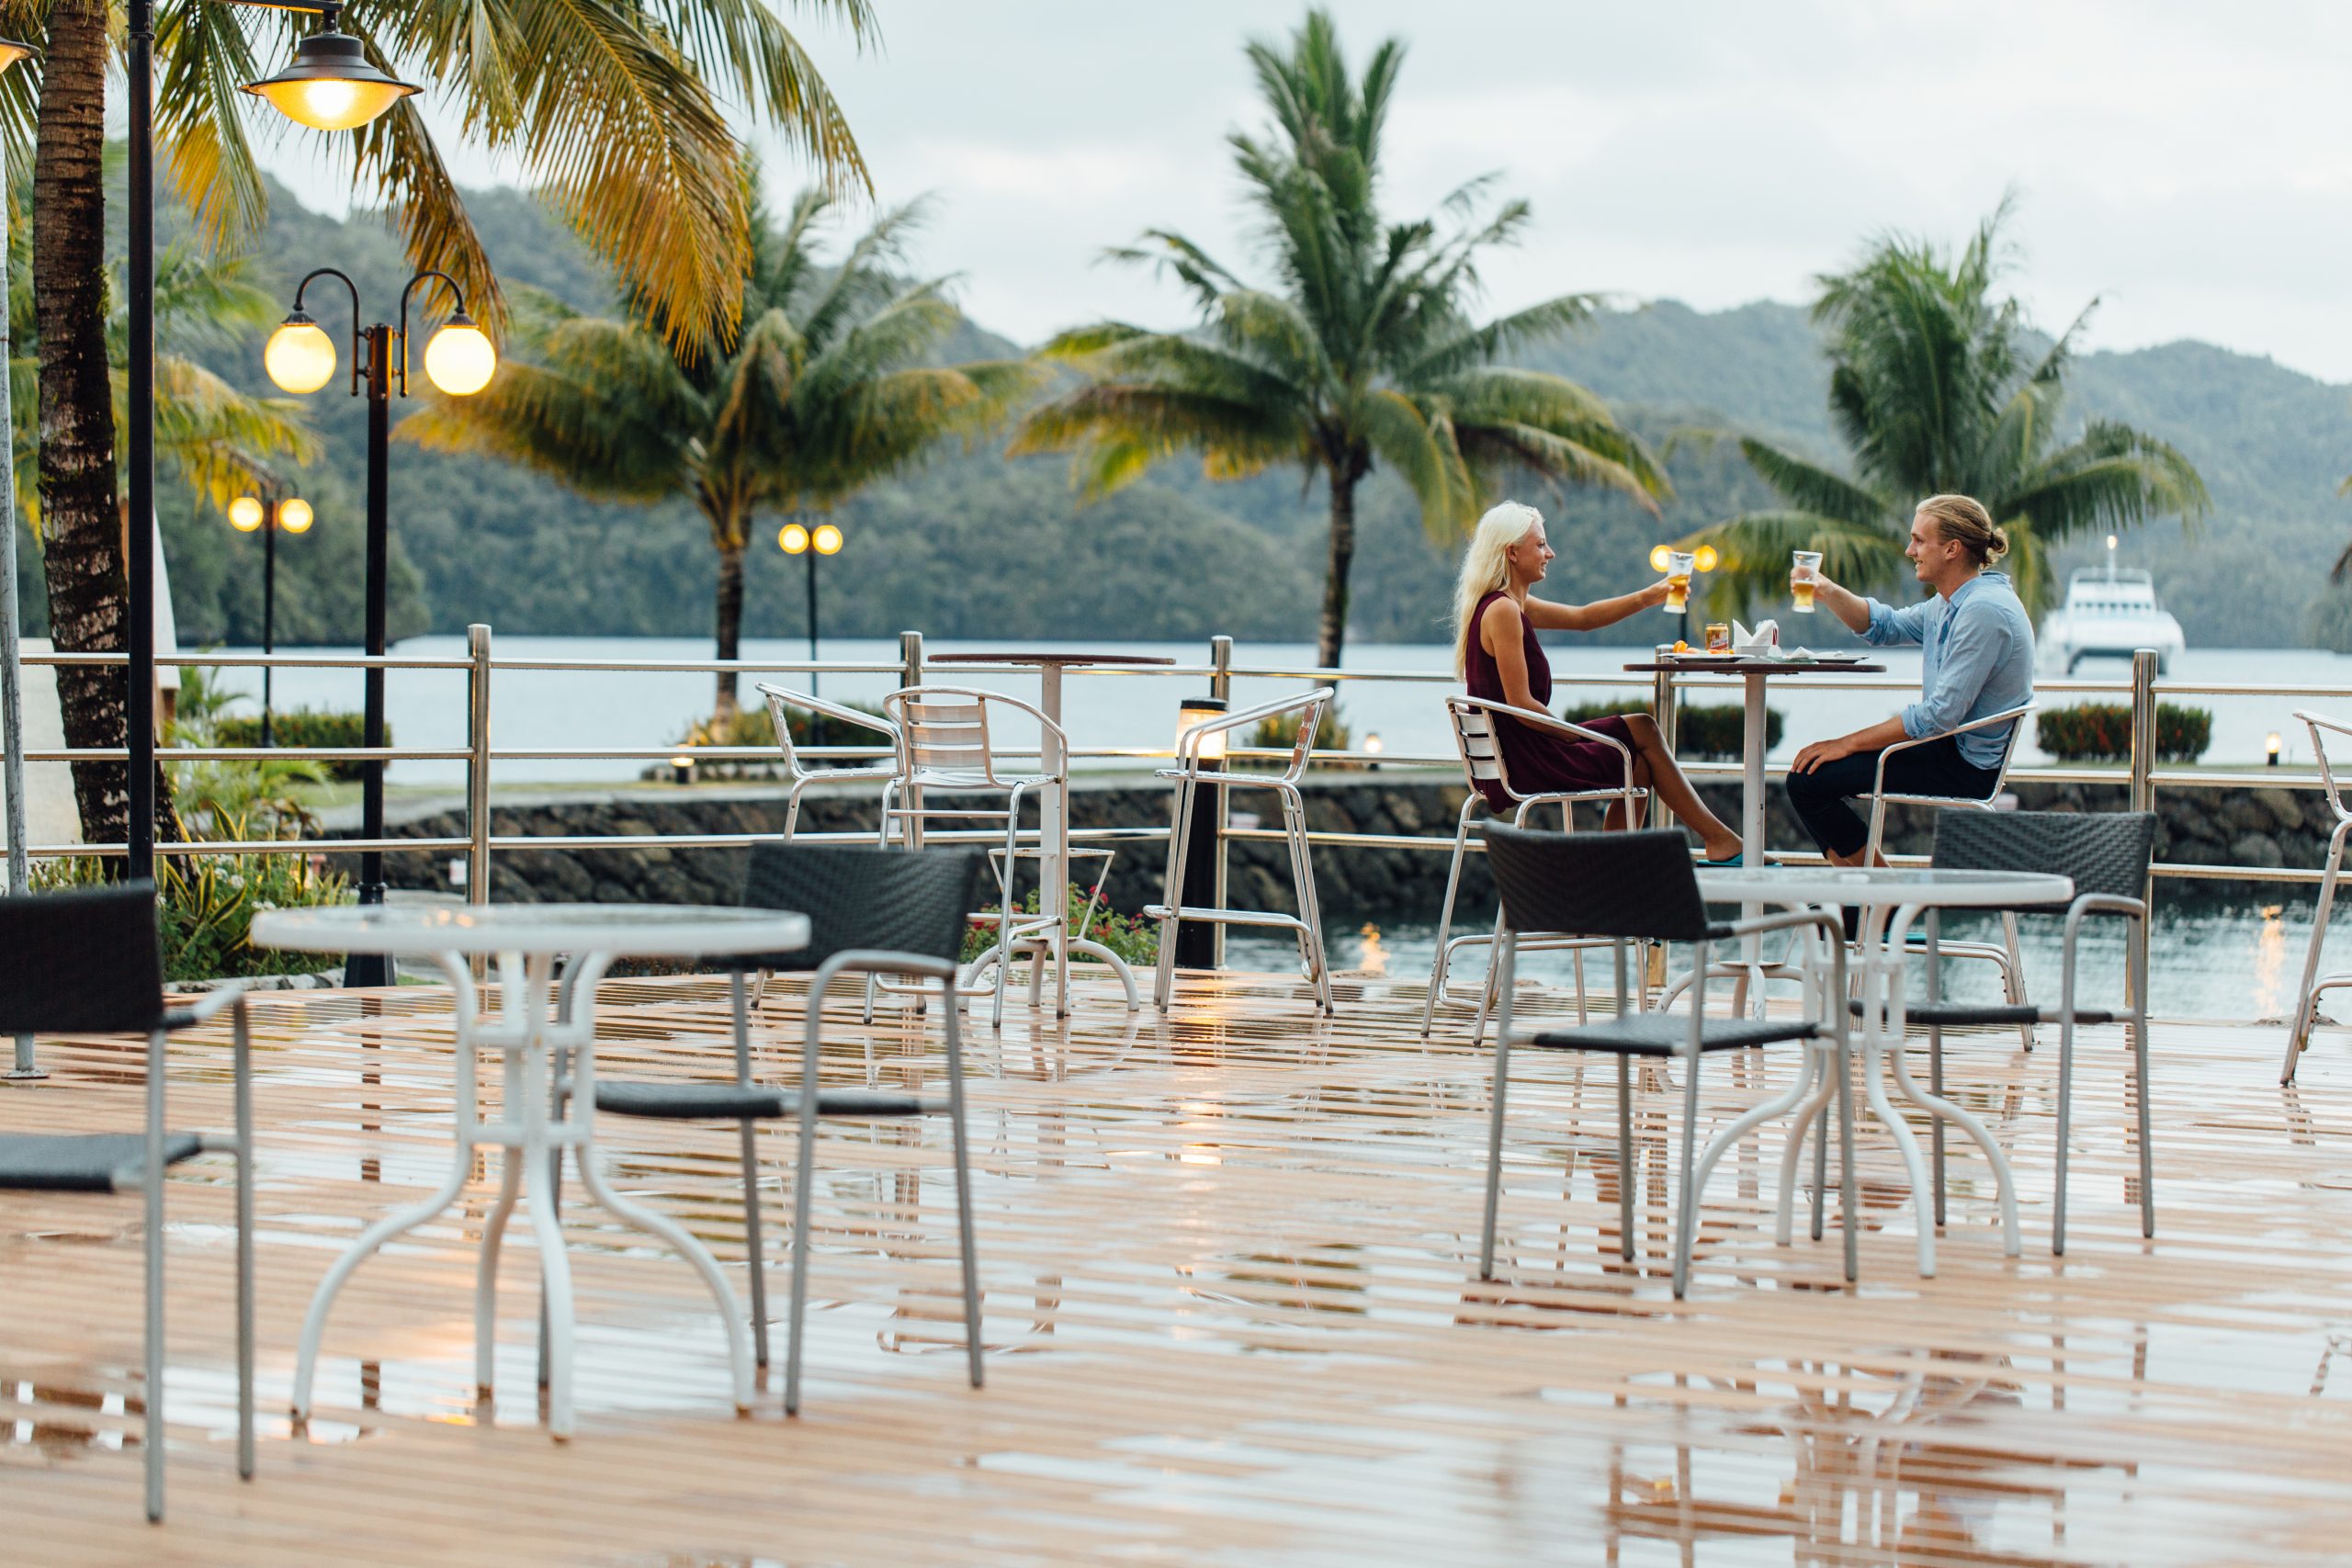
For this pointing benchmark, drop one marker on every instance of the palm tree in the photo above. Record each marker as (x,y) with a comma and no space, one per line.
(824,390)
(621,113)
(215,437)
(1934,388)
(1363,350)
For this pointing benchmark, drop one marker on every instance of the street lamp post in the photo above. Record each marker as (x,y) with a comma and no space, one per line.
(823,540)
(330,85)
(24,1064)
(301,357)
(286,514)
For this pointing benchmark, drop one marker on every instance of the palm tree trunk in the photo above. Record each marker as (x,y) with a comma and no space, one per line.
(81,522)
(731,625)
(1344,472)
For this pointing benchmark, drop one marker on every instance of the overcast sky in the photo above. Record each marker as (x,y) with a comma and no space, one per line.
(2188,163)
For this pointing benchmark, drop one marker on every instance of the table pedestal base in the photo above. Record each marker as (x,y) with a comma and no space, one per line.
(539,1120)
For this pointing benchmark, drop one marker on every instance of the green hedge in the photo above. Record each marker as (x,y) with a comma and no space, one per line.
(1713,732)
(304,727)
(2101,732)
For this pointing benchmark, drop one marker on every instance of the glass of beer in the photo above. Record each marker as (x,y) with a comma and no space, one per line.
(1808,567)
(1678,580)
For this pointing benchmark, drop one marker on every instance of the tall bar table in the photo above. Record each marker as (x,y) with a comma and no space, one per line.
(1754,672)
(1053,873)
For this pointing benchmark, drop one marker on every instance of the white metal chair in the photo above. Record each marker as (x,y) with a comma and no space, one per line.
(781,702)
(1472,723)
(2307,999)
(2004,953)
(944,744)
(1205,742)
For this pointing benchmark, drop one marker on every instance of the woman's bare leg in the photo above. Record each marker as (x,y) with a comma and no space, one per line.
(1656,769)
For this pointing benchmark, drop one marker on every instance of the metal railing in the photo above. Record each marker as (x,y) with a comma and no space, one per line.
(2140,778)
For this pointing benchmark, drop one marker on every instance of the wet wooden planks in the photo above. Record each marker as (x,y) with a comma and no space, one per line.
(1227,1259)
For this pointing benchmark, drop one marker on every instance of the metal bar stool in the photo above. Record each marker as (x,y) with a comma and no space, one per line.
(2298,1032)
(1205,742)
(1473,722)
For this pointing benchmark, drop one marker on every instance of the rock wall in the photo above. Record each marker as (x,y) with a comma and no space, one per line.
(2259,827)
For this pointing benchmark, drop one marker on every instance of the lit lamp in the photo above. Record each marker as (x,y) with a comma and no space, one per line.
(1703,558)
(1196,940)
(1372,745)
(2271,746)
(459,360)
(280,514)
(330,85)
(1202,710)
(795,539)
(681,769)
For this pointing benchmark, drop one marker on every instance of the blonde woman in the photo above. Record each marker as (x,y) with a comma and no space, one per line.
(1496,618)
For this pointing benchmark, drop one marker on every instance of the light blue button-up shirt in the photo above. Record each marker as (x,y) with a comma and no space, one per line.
(1977,658)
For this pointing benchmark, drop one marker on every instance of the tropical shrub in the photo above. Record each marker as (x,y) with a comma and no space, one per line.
(205,906)
(1280,733)
(1132,938)
(2101,732)
(300,729)
(1713,732)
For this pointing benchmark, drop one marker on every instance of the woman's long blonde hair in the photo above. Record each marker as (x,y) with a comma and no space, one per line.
(1486,567)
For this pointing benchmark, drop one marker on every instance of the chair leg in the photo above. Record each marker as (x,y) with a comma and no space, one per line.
(2013,975)
(243,1071)
(1005,920)
(1820,1168)
(1625,1173)
(1489,994)
(1495,1157)
(153,1392)
(2140,1066)
(1936,1124)
(2306,1001)
(1439,965)
(964,1238)
(752,1246)
(804,1179)
(2065,1114)
(1848,1183)
(1310,905)
(1686,1229)
(1171,894)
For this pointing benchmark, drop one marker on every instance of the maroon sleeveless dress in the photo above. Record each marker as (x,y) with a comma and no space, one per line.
(1537,761)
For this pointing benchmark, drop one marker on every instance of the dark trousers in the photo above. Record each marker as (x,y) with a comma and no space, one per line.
(1819,797)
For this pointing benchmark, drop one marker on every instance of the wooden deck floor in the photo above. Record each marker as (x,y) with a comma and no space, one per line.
(1228,1262)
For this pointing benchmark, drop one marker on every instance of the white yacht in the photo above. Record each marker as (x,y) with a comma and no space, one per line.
(2111,612)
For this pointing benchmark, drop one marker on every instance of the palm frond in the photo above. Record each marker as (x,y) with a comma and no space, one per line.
(1813,489)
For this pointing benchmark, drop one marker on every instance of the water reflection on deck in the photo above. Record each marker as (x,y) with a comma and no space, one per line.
(1230,1317)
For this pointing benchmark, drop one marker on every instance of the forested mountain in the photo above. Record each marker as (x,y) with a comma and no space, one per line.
(976,545)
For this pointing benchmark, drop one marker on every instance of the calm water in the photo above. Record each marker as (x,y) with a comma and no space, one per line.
(551,708)
(2209,958)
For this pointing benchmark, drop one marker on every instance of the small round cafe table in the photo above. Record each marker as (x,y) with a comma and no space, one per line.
(1890,899)
(544,1033)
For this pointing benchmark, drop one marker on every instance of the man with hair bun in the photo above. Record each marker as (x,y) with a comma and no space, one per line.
(1977,660)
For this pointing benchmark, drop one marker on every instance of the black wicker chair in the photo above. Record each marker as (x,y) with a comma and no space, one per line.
(2108,855)
(1635,888)
(87,963)
(870,911)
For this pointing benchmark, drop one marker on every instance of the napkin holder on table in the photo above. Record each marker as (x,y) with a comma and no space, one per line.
(1763,641)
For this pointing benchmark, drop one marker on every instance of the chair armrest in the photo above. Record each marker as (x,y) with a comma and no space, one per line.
(2093,904)
(1188,744)
(830,710)
(2007,716)
(1560,727)
(208,1005)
